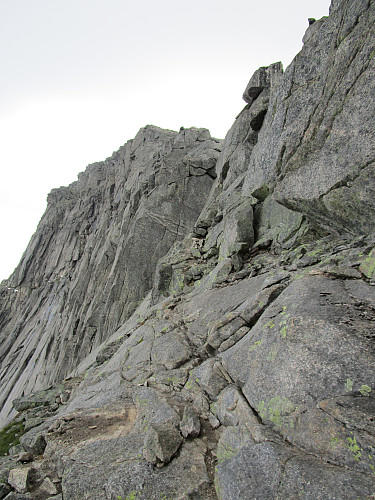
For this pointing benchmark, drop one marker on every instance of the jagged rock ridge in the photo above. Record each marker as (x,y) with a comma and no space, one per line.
(93,256)
(247,369)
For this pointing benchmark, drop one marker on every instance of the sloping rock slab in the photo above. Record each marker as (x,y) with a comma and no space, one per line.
(115,469)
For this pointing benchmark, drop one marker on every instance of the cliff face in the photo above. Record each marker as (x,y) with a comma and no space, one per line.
(194,319)
(93,256)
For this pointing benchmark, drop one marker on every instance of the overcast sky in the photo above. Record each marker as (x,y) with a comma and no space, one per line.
(80,77)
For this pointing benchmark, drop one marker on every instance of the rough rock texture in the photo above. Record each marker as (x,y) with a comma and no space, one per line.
(191,324)
(322,141)
(94,254)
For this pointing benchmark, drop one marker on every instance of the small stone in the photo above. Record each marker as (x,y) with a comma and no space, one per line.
(54,426)
(210,378)
(47,487)
(34,442)
(213,421)
(201,405)
(190,424)
(160,423)
(20,478)
(65,396)
(161,443)
(200,232)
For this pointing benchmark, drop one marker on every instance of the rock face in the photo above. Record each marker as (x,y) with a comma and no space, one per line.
(195,318)
(93,257)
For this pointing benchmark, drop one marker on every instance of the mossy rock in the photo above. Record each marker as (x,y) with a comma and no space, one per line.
(368,265)
(10,436)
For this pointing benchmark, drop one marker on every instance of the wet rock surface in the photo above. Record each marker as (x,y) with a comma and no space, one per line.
(194,318)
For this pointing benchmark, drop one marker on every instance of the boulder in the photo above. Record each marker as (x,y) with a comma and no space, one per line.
(264,78)
(21,478)
(160,424)
(190,424)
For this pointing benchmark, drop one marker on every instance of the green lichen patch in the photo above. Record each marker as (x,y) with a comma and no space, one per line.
(365,390)
(283,325)
(368,265)
(132,496)
(277,410)
(255,345)
(10,436)
(225,452)
(348,385)
(269,325)
(361,451)
(334,442)
(354,448)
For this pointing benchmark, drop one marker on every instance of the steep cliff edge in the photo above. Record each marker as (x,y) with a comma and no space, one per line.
(212,312)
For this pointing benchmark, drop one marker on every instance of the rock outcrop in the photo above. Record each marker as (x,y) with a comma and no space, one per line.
(195,318)
(93,257)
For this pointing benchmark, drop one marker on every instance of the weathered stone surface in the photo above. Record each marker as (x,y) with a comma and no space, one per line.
(34,441)
(210,377)
(190,424)
(232,409)
(263,78)
(306,478)
(213,421)
(18,496)
(120,471)
(161,442)
(326,122)
(201,405)
(46,397)
(271,471)
(254,472)
(47,487)
(170,350)
(20,478)
(238,232)
(94,254)
(302,351)
(368,265)
(277,224)
(308,318)
(26,457)
(160,423)
(232,439)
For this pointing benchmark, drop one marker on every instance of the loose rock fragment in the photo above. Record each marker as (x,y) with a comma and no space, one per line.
(190,424)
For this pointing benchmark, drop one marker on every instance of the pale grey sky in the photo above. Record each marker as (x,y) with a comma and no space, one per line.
(80,77)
